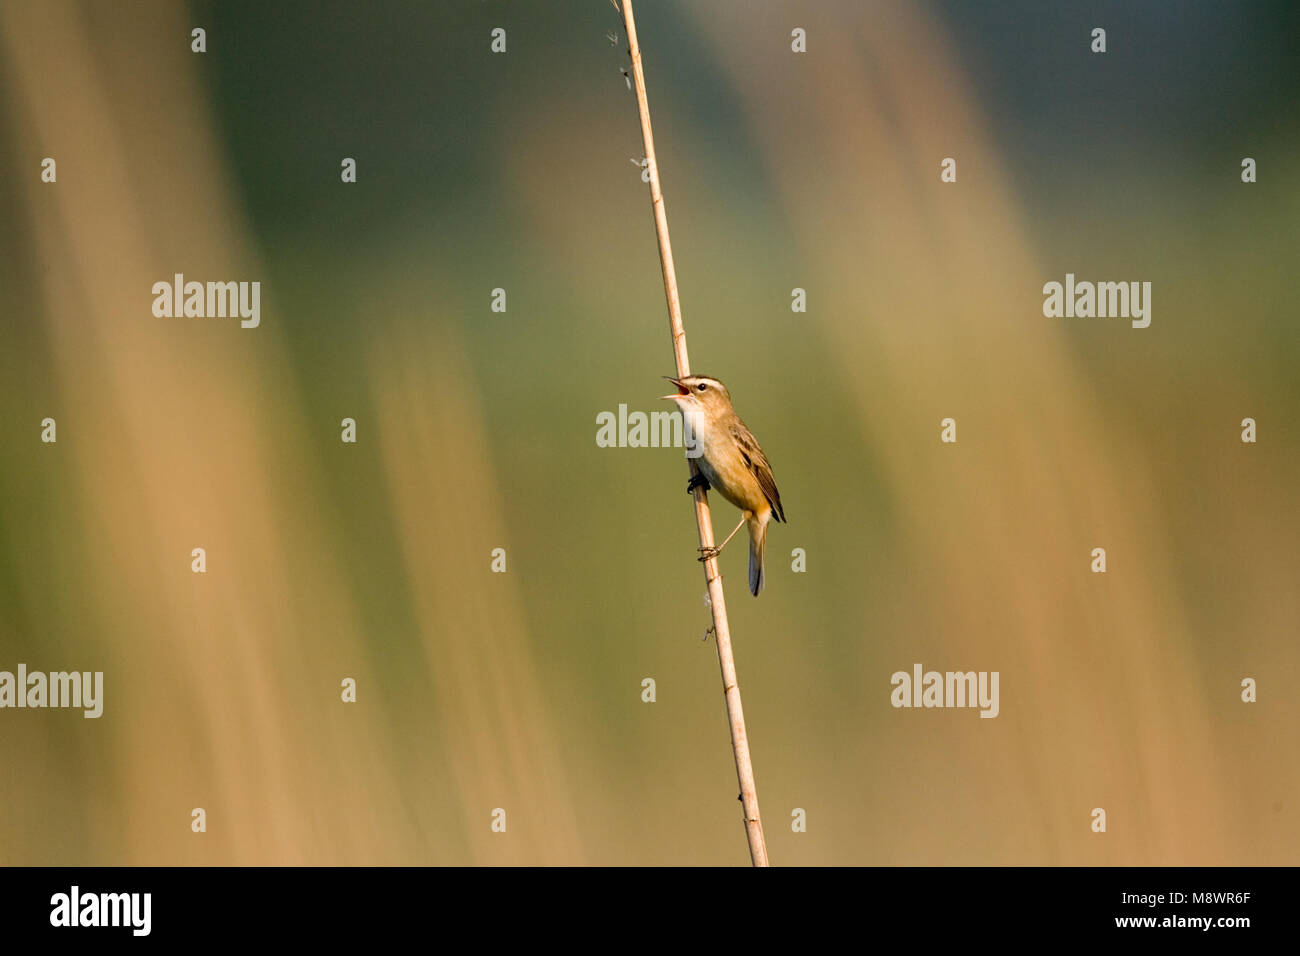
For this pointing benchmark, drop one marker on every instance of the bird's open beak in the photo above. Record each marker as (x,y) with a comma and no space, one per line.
(681,389)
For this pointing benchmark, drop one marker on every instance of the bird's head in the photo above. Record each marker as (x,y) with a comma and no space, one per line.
(700,392)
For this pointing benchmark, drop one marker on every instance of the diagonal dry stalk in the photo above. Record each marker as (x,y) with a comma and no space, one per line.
(722,633)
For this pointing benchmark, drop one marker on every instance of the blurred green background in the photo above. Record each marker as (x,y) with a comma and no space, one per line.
(476,430)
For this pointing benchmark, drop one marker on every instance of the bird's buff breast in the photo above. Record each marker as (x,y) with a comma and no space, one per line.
(721,463)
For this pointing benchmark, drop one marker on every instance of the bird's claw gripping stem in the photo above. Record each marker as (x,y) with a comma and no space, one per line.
(698,481)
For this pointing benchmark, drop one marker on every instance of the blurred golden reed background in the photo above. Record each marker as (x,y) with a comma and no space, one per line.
(476,430)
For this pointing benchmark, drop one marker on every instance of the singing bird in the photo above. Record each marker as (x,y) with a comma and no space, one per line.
(732,462)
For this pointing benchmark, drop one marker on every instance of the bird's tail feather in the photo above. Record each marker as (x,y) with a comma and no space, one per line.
(757,550)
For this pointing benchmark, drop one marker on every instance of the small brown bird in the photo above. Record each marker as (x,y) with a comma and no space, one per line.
(731,462)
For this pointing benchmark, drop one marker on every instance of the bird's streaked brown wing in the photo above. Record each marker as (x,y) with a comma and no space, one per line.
(757,462)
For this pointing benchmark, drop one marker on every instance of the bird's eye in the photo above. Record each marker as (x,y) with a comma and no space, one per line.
(701,386)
